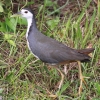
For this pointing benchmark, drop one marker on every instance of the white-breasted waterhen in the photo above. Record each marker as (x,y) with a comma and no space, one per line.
(51,51)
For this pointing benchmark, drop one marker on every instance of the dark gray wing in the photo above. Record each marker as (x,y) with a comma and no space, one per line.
(52,51)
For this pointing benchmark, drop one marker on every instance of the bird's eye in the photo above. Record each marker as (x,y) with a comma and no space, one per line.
(26,12)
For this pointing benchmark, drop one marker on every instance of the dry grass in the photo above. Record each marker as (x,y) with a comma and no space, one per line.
(23,77)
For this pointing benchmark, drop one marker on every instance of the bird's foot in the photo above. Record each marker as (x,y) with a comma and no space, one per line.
(51,95)
(81,82)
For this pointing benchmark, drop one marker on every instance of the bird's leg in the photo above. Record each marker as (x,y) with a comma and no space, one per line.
(81,78)
(62,77)
(65,69)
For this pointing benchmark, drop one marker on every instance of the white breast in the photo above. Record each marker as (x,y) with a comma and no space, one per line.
(29,21)
(29,24)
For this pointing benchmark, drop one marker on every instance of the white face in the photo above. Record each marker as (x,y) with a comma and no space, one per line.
(25,13)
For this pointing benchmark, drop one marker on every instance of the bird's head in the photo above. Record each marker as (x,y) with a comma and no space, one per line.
(25,12)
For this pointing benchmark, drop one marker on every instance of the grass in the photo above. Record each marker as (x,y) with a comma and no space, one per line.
(23,77)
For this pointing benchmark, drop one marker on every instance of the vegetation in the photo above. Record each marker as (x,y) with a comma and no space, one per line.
(22,76)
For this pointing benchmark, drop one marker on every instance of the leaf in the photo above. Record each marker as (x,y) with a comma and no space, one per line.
(22,21)
(7,36)
(1,8)
(53,23)
(97,86)
(11,42)
(48,3)
(11,23)
(2,27)
(30,3)
(64,87)
(1,90)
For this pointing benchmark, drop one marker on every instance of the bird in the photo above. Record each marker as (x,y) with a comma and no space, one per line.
(51,51)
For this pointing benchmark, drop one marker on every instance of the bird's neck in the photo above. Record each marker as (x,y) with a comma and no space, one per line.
(31,24)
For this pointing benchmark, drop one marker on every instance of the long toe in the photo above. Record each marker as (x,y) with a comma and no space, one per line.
(82,80)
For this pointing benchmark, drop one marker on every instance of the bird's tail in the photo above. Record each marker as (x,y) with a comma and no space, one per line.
(86,51)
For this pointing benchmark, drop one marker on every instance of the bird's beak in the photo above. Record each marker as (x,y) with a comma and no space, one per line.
(16,15)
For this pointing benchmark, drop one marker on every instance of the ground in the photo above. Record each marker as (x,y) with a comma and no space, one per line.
(74,23)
